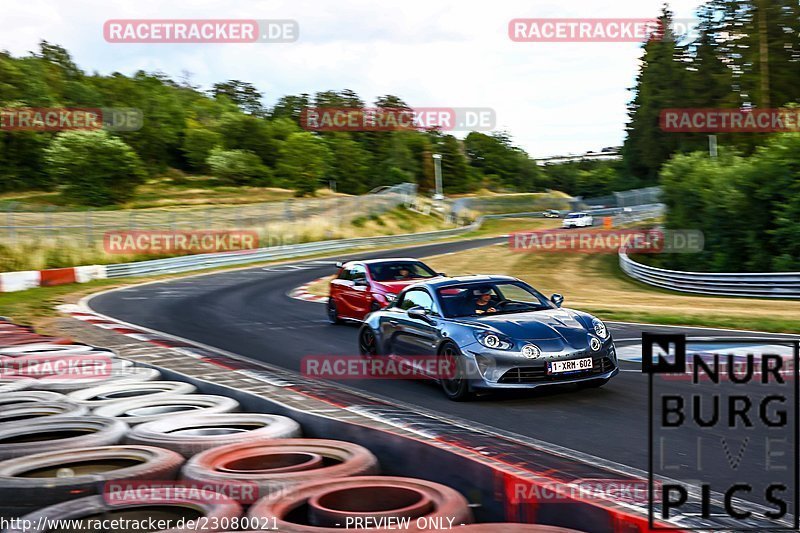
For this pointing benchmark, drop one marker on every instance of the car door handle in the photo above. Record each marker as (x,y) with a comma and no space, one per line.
(393,322)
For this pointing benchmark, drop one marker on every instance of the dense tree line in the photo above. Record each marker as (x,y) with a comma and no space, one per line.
(226,132)
(746,54)
(743,54)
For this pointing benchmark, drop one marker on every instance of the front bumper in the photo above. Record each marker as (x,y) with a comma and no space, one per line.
(496,369)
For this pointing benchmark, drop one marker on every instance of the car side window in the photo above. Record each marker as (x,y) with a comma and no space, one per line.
(358,272)
(417,298)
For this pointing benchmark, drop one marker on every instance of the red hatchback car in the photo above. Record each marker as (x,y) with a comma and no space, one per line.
(361,287)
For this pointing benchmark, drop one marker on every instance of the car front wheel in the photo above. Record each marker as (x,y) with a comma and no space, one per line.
(367,343)
(455,385)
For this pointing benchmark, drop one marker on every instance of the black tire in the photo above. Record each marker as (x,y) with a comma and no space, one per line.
(593,383)
(60,433)
(190,435)
(333,314)
(215,508)
(367,343)
(456,388)
(63,475)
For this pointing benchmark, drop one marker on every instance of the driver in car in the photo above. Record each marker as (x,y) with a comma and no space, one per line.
(403,274)
(483,303)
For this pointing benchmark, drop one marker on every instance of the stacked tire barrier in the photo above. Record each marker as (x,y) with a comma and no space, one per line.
(86,435)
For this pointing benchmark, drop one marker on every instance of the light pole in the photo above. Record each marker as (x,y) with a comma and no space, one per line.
(437,168)
(712,145)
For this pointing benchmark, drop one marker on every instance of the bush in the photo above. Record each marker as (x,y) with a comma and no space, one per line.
(747,208)
(197,146)
(239,167)
(304,162)
(94,167)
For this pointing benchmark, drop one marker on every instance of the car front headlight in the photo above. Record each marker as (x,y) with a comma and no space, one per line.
(600,329)
(494,341)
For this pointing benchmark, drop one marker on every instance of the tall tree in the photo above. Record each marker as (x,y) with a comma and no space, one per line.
(243,94)
(661,84)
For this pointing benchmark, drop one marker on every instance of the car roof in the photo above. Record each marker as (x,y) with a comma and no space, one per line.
(378,261)
(437,283)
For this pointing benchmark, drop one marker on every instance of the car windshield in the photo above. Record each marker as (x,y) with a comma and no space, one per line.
(400,271)
(476,299)
(575,215)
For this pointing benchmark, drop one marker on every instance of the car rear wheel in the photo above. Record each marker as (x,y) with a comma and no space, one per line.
(456,387)
(333,313)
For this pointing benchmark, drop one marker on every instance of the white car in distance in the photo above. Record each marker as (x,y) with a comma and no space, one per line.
(577,220)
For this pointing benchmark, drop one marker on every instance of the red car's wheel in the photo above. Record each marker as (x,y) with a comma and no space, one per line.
(333,313)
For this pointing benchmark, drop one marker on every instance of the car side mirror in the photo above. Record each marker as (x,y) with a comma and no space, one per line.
(442,274)
(361,282)
(419,313)
(557,299)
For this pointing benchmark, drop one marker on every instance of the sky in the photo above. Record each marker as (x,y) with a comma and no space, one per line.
(553,98)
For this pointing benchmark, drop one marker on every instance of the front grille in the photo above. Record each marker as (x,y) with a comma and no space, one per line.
(538,374)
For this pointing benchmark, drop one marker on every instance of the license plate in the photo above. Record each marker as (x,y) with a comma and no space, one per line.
(573,365)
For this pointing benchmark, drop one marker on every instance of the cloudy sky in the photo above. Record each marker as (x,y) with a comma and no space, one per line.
(554,98)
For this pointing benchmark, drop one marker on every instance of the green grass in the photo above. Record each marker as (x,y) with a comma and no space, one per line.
(596,284)
(519,203)
(503,226)
(34,306)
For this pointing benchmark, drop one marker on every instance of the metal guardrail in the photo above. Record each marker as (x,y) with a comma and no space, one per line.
(189,263)
(201,261)
(760,285)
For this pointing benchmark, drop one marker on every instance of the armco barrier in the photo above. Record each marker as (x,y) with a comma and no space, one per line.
(15,281)
(761,285)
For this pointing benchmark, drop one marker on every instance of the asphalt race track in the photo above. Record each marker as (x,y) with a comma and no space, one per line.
(249,313)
